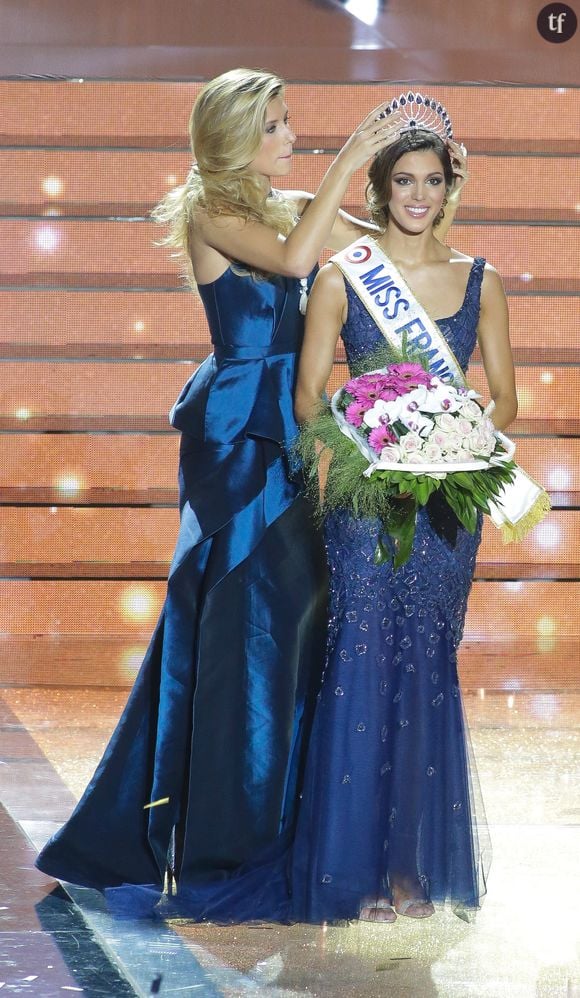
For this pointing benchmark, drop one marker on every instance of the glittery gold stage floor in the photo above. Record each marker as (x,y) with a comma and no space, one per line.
(523,944)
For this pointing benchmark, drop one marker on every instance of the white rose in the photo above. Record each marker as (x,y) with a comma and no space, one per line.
(432,452)
(445,422)
(438,437)
(475,441)
(410,443)
(471,411)
(392,453)
(463,426)
(454,442)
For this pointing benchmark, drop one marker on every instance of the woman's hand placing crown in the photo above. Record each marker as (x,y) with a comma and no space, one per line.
(458,154)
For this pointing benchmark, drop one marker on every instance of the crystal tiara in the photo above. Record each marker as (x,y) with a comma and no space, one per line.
(415,111)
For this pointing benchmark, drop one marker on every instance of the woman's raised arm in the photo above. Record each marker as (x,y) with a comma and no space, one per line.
(261,247)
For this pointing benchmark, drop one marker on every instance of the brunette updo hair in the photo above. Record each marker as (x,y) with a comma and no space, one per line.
(378,189)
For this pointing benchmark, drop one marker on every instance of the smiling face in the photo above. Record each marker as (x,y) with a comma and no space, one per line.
(274,158)
(413,173)
(417,190)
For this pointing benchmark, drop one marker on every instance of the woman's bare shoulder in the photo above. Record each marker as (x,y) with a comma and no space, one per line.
(208,262)
(330,278)
(458,257)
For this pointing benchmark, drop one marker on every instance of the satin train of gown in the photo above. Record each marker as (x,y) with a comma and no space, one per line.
(217,718)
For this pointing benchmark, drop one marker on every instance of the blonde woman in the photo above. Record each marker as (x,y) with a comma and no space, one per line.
(203,769)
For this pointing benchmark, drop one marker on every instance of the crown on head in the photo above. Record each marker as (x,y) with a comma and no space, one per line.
(411,112)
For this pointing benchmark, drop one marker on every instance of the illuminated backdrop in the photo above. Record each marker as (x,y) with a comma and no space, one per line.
(98,335)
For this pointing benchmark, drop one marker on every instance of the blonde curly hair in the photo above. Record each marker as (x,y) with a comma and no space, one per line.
(226,129)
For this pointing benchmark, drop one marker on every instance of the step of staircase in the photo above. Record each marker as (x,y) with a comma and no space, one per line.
(154,325)
(44,183)
(115,255)
(109,541)
(503,120)
(128,469)
(98,632)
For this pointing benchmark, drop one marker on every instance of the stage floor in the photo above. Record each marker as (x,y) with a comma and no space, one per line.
(523,943)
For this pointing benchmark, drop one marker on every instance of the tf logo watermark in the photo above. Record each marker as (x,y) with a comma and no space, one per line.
(557,23)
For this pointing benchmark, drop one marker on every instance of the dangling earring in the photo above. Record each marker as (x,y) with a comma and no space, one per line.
(441,213)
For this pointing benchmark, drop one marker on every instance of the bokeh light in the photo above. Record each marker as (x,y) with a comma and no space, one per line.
(130,662)
(138,603)
(69,483)
(547,534)
(525,399)
(546,626)
(545,706)
(46,238)
(52,186)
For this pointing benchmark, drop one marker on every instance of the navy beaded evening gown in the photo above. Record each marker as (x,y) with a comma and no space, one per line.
(388,795)
(215,724)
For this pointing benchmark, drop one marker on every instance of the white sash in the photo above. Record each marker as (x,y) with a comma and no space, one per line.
(396,313)
(395,310)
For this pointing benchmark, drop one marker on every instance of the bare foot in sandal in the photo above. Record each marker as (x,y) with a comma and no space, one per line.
(376,910)
(413,907)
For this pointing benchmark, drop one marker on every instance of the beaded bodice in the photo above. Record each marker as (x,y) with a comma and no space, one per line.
(361,336)
(438,575)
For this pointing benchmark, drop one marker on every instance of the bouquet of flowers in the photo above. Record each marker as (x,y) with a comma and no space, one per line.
(403,415)
(397,434)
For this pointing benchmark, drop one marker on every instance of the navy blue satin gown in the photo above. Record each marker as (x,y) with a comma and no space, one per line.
(388,794)
(217,717)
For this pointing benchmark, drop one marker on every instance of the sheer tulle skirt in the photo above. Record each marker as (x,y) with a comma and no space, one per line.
(391,795)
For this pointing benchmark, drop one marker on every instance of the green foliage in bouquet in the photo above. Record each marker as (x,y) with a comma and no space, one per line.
(345,487)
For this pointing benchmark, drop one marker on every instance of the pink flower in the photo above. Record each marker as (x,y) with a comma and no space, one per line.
(380,437)
(354,413)
(412,375)
(370,387)
(350,386)
(399,387)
